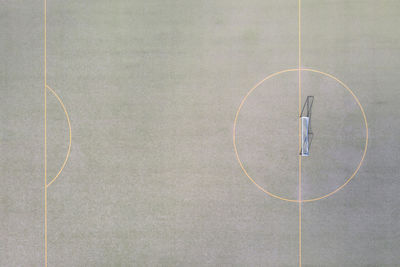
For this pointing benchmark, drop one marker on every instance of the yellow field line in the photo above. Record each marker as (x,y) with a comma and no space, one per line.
(70,135)
(299,22)
(45,134)
(366,134)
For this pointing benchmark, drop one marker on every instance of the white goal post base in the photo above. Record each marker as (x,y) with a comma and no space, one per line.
(304,136)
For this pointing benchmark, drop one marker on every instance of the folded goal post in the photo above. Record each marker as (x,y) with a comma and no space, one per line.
(306,132)
(304,136)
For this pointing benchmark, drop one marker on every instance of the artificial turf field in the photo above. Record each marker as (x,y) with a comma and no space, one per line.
(142,101)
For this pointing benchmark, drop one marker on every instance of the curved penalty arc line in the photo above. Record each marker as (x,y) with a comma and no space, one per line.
(366,133)
(70,135)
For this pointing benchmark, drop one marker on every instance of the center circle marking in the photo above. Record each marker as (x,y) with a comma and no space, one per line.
(347,180)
